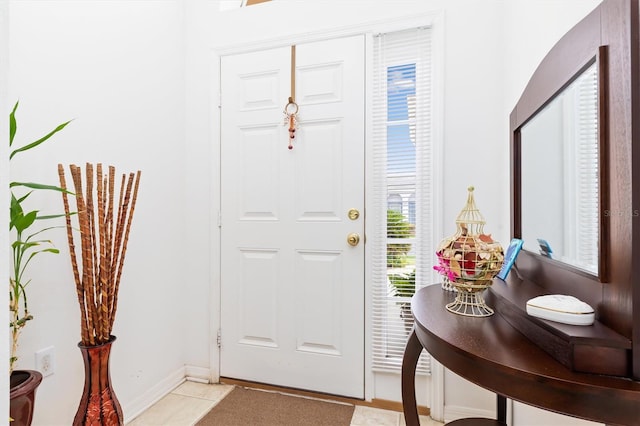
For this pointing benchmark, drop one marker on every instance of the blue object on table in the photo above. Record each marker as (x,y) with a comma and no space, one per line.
(510,257)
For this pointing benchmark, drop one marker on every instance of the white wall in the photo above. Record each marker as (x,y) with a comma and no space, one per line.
(531,29)
(202,189)
(4,191)
(117,68)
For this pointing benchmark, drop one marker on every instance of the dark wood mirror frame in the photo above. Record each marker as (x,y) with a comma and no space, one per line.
(611,33)
(599,58)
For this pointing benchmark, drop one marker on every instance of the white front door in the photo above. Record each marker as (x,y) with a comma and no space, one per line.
(292,302)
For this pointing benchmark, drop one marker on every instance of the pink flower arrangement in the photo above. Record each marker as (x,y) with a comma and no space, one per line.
(443,267)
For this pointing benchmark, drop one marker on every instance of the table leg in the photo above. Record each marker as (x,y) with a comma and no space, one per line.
(501,408)
(409,363)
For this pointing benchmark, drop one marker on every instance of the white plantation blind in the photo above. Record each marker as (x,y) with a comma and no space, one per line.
(582,172)
(588,177)
(402,244)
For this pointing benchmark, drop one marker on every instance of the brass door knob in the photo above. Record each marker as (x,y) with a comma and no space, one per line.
(353,239)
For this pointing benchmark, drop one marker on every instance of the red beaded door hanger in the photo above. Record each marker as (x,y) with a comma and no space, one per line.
(291,109)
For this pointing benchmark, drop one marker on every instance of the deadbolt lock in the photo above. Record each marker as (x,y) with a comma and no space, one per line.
(353,214)
(353,239)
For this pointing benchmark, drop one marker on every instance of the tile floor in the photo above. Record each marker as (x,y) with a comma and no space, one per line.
(191,401)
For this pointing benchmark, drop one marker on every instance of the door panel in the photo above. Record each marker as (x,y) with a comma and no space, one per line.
(320,281)
(258,168)
(318,173)
(292,287)
(258,303)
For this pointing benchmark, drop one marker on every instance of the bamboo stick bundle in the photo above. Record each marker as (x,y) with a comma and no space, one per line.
(104,234)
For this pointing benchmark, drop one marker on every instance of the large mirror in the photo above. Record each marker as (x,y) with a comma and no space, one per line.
(546,202)
(560,176)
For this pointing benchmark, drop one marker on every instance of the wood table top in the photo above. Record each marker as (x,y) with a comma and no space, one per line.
(491,353)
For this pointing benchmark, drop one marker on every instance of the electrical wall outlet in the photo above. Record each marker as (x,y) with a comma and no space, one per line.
(46,361)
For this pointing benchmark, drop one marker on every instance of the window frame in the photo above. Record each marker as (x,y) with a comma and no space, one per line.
(374,200)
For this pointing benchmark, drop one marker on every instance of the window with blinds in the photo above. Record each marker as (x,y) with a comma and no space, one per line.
(402,169)
(582,171)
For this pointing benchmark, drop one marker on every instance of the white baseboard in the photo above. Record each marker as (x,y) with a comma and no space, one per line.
(163,388)
(153,395)
(453,412)
(198,374)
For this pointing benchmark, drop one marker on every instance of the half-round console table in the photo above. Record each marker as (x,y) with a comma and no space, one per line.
(492,354)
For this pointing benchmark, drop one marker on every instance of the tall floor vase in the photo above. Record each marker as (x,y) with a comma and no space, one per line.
(98,405)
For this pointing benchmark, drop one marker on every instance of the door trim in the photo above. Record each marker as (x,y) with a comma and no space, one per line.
(378,26)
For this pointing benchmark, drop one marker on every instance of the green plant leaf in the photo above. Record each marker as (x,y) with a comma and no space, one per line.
(39,141)
(23,222)
(34,185)
(24,197)
(25,249)
(41,231)
(34,254)
(54,216)
(24,245)
(50,250)
(13,125)
(16,207)
(46,250)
